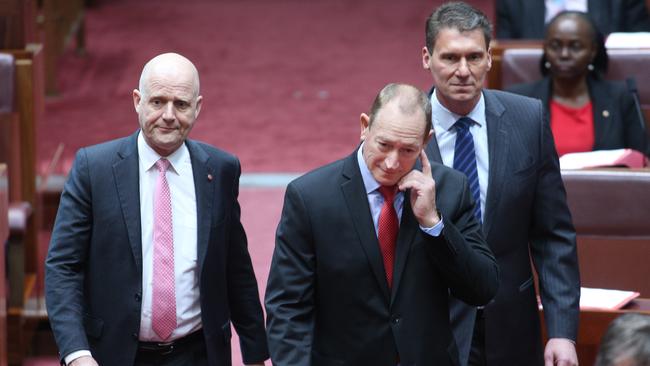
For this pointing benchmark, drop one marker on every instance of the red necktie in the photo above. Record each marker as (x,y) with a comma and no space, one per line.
(387,227)
(163,317)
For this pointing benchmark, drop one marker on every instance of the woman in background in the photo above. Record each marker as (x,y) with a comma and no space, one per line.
(586,112)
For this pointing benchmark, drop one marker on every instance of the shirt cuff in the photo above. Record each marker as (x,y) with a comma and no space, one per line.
(76,354)
(436,229)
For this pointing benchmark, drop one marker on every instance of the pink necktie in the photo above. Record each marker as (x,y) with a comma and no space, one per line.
(387,228)
(164,294)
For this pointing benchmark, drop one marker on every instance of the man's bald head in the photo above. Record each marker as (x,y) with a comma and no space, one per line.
(409,99)
(169,64)
(167,101)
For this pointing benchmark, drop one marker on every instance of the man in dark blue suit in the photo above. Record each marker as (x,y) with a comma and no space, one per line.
(516,181)
(148,262)
(339,293)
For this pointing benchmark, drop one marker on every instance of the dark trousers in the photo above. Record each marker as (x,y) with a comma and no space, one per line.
(477,350)
(185,352)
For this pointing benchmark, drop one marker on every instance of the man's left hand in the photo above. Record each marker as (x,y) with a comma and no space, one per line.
(423,193)
(560,352)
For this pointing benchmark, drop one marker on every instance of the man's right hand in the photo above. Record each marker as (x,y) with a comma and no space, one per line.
(423,193)
(84,361)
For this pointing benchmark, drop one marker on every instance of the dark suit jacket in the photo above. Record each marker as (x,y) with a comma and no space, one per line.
(93,269)
(616,120)
(525,212)
(524,19)
(327,300)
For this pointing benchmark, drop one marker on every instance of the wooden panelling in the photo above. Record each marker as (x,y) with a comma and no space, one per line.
(4,236)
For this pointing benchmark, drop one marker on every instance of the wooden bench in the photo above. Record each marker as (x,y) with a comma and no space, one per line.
(53,23)
(28,110)
(17,135)
(4,236)
(611,214)
(515,62)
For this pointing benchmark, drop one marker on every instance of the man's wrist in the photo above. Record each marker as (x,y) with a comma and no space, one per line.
(564,339)
(76,354)
(432,220)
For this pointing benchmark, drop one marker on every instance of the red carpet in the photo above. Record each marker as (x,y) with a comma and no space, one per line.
(284,81)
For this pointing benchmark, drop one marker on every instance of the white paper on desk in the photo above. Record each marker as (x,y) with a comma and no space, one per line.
(602,158)
(628,40)
(603,299)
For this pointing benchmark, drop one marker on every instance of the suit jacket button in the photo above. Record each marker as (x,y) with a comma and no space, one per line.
(395,319)
(138,297)
(135,335)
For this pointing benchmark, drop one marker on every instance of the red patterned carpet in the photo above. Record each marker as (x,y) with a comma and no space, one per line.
(284,81)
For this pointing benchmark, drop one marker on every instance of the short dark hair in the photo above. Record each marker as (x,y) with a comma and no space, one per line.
(601,60)
(626,338)
(410,100)
(456,15)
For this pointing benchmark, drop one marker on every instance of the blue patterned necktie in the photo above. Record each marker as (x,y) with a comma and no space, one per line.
(465,159)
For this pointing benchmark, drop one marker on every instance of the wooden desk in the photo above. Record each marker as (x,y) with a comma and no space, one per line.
(594,323)
(498,47)
(4,235)
(613,248)
(23,250)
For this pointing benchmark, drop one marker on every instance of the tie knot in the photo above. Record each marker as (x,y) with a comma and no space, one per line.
(463,124)
(388,192)
(162,164)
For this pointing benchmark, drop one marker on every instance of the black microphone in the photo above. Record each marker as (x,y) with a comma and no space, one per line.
(631,87)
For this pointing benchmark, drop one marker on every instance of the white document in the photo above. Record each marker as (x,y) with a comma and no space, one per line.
(628,40)
(603,299)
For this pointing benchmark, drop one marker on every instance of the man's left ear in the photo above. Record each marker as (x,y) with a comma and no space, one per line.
(199,102)
(489,58)
(426,58)
(137,97)
(365,125)
(428,137)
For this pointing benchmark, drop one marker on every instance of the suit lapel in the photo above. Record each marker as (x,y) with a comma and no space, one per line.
(355,197)
(407,229)
(127,182)
(432,150)
(204,190)
(498,145)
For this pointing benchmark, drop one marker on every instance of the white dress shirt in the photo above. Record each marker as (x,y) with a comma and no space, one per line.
(443,122)
(181,186)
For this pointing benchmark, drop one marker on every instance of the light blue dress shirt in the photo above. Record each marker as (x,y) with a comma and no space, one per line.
(376,200)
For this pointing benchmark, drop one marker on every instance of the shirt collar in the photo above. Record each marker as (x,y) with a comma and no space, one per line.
(445,119)
(148,157)
(368,180)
